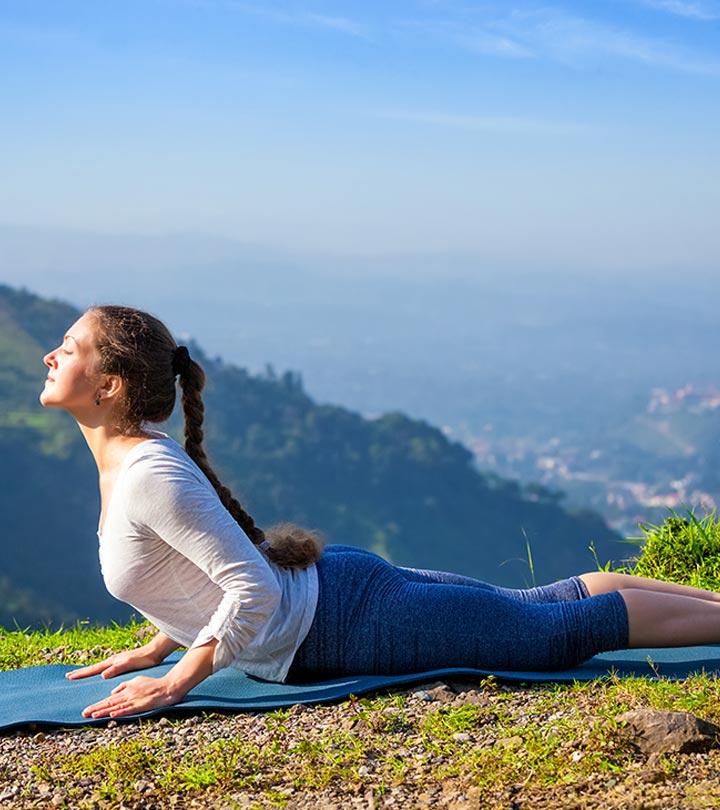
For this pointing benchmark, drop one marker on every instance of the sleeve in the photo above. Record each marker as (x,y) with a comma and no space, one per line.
(171,501)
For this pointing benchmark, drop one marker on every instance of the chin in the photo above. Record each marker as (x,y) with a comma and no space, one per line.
(44,399)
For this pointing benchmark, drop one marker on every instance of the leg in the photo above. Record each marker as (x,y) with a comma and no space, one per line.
(560,591)
(371,619)
(604,581)
(659,619)
(683,619)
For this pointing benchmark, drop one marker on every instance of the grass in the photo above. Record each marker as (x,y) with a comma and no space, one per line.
(81,643)
(547,737)
(538,743)
(682,549)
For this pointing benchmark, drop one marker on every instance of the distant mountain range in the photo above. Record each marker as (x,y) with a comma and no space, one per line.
(391,484)
(546,376)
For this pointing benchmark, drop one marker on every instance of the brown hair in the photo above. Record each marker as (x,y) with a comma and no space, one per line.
(139,348)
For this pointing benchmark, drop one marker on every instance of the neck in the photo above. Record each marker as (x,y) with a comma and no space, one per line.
(108,446)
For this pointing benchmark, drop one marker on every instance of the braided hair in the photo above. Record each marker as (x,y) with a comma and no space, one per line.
(138,347)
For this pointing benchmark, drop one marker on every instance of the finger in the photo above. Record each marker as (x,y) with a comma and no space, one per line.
(112,710)
(76,673)
(111,671)
(99,709)
(84,672)
(99,706)
(100,713)
(119,688)
(88,710)
(124,709)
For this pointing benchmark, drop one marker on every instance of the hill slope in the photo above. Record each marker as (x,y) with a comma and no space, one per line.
(394,485)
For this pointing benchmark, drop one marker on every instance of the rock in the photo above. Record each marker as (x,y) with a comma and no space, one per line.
(144,632)
(511,742)
(653,771)
(461,736)
(475,697)
(654,731)
(441,692)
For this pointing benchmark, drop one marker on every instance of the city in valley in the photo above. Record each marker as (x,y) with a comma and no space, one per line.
(663,457)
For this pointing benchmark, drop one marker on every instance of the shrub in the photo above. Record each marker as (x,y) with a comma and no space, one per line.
(685,550)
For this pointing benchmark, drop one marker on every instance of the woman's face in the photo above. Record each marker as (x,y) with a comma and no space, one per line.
(73,382)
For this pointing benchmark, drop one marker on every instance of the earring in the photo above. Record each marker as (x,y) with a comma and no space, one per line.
(97,400)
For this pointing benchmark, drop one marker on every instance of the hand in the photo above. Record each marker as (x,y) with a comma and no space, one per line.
(137,695)
(125,661)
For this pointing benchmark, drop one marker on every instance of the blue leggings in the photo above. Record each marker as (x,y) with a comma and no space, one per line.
(373,617)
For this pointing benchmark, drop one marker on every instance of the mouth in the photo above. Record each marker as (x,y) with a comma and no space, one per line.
(49,379)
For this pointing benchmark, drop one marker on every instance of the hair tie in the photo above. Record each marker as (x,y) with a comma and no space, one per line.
(181,360)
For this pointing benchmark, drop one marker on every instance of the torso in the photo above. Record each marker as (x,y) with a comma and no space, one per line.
(106,489)
(108,478)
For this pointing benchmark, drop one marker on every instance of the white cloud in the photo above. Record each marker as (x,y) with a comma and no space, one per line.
(39,36)
(553,34)
(517,125)
(494,45)
(341,24)
(576,40)
(304,17)
(693,10)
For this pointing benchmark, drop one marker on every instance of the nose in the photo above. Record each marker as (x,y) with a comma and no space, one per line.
(49,359)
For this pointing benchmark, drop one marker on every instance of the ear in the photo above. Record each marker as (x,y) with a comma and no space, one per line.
(112,386)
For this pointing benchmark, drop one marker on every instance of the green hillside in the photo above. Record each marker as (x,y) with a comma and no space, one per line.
(393,484)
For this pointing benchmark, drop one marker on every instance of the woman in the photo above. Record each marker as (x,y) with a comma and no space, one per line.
(178,547)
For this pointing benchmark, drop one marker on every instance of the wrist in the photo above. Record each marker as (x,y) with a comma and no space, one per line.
(174,689)
(154,655)
(190,670)
(160,646)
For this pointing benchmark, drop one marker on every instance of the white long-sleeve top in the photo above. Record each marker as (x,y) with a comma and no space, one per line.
(171,550)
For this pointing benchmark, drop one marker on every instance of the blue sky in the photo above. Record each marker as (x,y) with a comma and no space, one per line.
(532,135)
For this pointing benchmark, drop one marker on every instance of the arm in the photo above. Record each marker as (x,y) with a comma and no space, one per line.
(161,645)
(168,500)
(190,670)
(143,693)
(149,655)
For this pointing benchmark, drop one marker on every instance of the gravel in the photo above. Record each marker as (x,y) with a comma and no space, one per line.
(644,783)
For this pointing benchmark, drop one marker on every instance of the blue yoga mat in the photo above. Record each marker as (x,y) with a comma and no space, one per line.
(42,694)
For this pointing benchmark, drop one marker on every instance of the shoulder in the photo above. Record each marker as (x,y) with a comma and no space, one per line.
(163,470)
(167,493)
